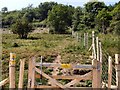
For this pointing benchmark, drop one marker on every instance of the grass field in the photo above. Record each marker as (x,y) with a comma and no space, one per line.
(49,46)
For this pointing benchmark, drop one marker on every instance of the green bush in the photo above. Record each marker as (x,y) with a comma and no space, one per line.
(22,28)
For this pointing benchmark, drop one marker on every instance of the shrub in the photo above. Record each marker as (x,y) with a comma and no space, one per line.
(22,28)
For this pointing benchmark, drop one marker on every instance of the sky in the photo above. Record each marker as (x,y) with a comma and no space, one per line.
(19,4)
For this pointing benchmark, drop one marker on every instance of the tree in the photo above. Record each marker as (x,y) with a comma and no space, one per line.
(103,20)
(43,9)
(9,18)
(92,9)
(114,26)
(58,18)
(22,28)
(30,15)
(77,19)
(4,9)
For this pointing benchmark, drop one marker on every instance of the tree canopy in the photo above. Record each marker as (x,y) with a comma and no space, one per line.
(59,18)
(22,27)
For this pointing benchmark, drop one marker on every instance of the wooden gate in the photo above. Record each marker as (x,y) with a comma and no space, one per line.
(35,72)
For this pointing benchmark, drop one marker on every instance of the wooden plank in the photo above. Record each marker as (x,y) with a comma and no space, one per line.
(90,48)
(56,87)
(90,67)
(67,65)
(21,73)
(45,86)
(5,81)
(82,77)
(87,76)
(68,77)
(51,79)
(117,62)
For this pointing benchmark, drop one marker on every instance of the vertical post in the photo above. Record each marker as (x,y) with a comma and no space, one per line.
(31,73)
(87,40)
(97,45)
(12,70)
(93,45)
(84,39)
(96,81)
(100,48)
(1,48)
(21,73)
(117,62)
(77,36)
(100,59)
(109,71)
(80,38)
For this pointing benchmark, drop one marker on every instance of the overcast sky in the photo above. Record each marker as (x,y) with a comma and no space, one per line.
(19,4)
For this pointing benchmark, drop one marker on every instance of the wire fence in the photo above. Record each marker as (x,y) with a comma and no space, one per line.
(105,69)
(86,42)
(80,37)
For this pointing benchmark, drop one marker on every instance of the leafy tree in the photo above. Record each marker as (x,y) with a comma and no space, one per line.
(103,20)
(29,15)
(92,9)
(4,9)
(70,14)
(22,28)
(77,18)
(9,18)
(58,18)
(114,26)
(43,9)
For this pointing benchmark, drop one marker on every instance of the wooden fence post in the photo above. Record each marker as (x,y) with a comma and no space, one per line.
(100,53)
(31,73)
(21,73)
(100,59)
(117,65)
(77,37)
(109,71)
(30,68)
(87,40)
(97,46)
(93,45)
(84,40)
(12,70)
(96,82)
